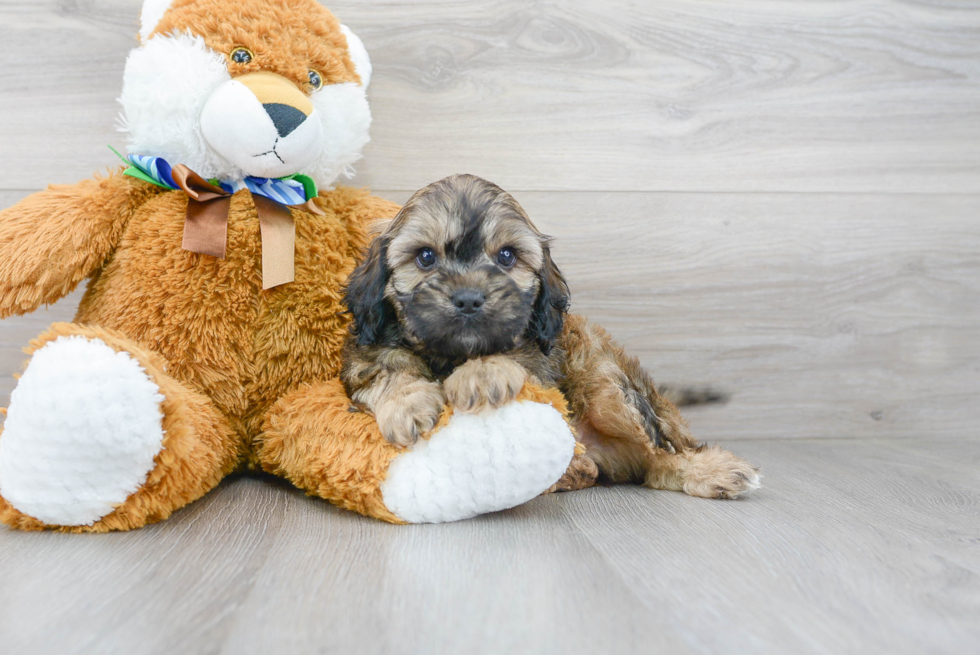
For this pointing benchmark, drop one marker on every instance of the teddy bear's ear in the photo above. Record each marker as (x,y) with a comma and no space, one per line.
(359,55)
(153,11)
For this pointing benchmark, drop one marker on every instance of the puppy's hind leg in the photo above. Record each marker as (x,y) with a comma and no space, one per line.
(631,432)
(678,461)
(706,471)
(582,473)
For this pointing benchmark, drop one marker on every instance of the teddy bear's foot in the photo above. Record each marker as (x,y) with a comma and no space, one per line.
(480,463)
(81,433)
(471,464)
(91,434)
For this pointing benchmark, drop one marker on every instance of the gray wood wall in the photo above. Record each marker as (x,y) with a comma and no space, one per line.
(781,199)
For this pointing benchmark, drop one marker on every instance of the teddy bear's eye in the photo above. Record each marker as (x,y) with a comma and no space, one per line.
(315,80)
(242,55)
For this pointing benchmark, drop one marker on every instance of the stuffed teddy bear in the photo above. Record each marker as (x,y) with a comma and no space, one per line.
(209,337)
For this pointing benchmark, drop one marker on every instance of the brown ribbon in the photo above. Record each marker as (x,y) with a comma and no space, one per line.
(278,241)
(206,223)
(206,226)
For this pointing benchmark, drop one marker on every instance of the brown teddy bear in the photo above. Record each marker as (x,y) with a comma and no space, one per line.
(209,337)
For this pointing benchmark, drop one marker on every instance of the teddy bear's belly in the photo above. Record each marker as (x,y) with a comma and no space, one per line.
(220,333)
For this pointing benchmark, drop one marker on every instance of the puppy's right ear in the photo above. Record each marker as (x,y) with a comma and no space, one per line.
(551,305)
(365,295)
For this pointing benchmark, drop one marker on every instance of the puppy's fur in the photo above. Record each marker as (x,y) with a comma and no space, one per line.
(459,300)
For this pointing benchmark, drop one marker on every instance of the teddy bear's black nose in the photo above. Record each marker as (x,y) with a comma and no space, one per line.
(468,301)
(285,118)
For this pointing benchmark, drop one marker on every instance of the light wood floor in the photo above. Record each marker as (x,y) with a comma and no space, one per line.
(854,546)
(780,198)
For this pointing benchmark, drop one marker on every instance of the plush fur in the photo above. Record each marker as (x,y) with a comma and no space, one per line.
(198,449)
(184,65)
(299,443)
(150,15)
(219,374)
(42,448)
(459,301)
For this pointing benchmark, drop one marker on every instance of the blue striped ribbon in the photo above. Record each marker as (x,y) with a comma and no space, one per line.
(284,190)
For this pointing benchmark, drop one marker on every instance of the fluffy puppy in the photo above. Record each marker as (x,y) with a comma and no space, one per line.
(459,300)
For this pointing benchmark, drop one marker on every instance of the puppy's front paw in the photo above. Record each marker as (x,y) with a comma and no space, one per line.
(410,411)
(484,382)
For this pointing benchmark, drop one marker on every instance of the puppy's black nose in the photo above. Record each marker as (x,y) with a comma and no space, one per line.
(468,301)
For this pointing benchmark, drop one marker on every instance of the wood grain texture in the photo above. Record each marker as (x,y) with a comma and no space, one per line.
(852,546)
(617,95)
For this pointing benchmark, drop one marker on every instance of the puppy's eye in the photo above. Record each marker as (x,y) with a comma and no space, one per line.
(242,55)
(316,81)
(426,258)
(506,257)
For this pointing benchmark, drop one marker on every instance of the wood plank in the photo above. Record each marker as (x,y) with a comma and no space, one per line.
(522,581)
(631,96)
(824,316)
(852,546)
(866,546)
(167,586)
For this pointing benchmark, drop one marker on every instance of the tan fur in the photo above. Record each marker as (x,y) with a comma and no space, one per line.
(51,241)
(285,37)
(244,347)
(485,382)
(582,473)
(199,446)
(597,372)
(708,472)
(222,350)
(404,406)
(314,439)
(423,222)
(229,349)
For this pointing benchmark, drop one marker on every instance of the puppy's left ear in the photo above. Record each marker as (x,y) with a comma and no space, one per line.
(550,306)
(365,295)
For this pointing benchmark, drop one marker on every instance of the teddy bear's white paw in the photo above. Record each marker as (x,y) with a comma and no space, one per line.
(81,433)
(480,463)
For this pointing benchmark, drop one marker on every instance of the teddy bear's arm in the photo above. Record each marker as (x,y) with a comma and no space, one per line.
(53,239)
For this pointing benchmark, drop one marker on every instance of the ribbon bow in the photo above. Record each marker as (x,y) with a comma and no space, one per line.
(208,202)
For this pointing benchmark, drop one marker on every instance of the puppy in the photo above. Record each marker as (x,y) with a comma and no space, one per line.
(459,300)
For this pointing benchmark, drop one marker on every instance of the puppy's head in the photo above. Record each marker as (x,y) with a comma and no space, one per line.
(460,272)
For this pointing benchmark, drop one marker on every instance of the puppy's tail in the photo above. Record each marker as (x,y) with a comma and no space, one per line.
(687,395)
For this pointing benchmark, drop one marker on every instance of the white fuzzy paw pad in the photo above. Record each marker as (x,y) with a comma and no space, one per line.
(480,463)
(81,433)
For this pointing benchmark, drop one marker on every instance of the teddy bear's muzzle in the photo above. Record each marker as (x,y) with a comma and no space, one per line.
(263,124)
